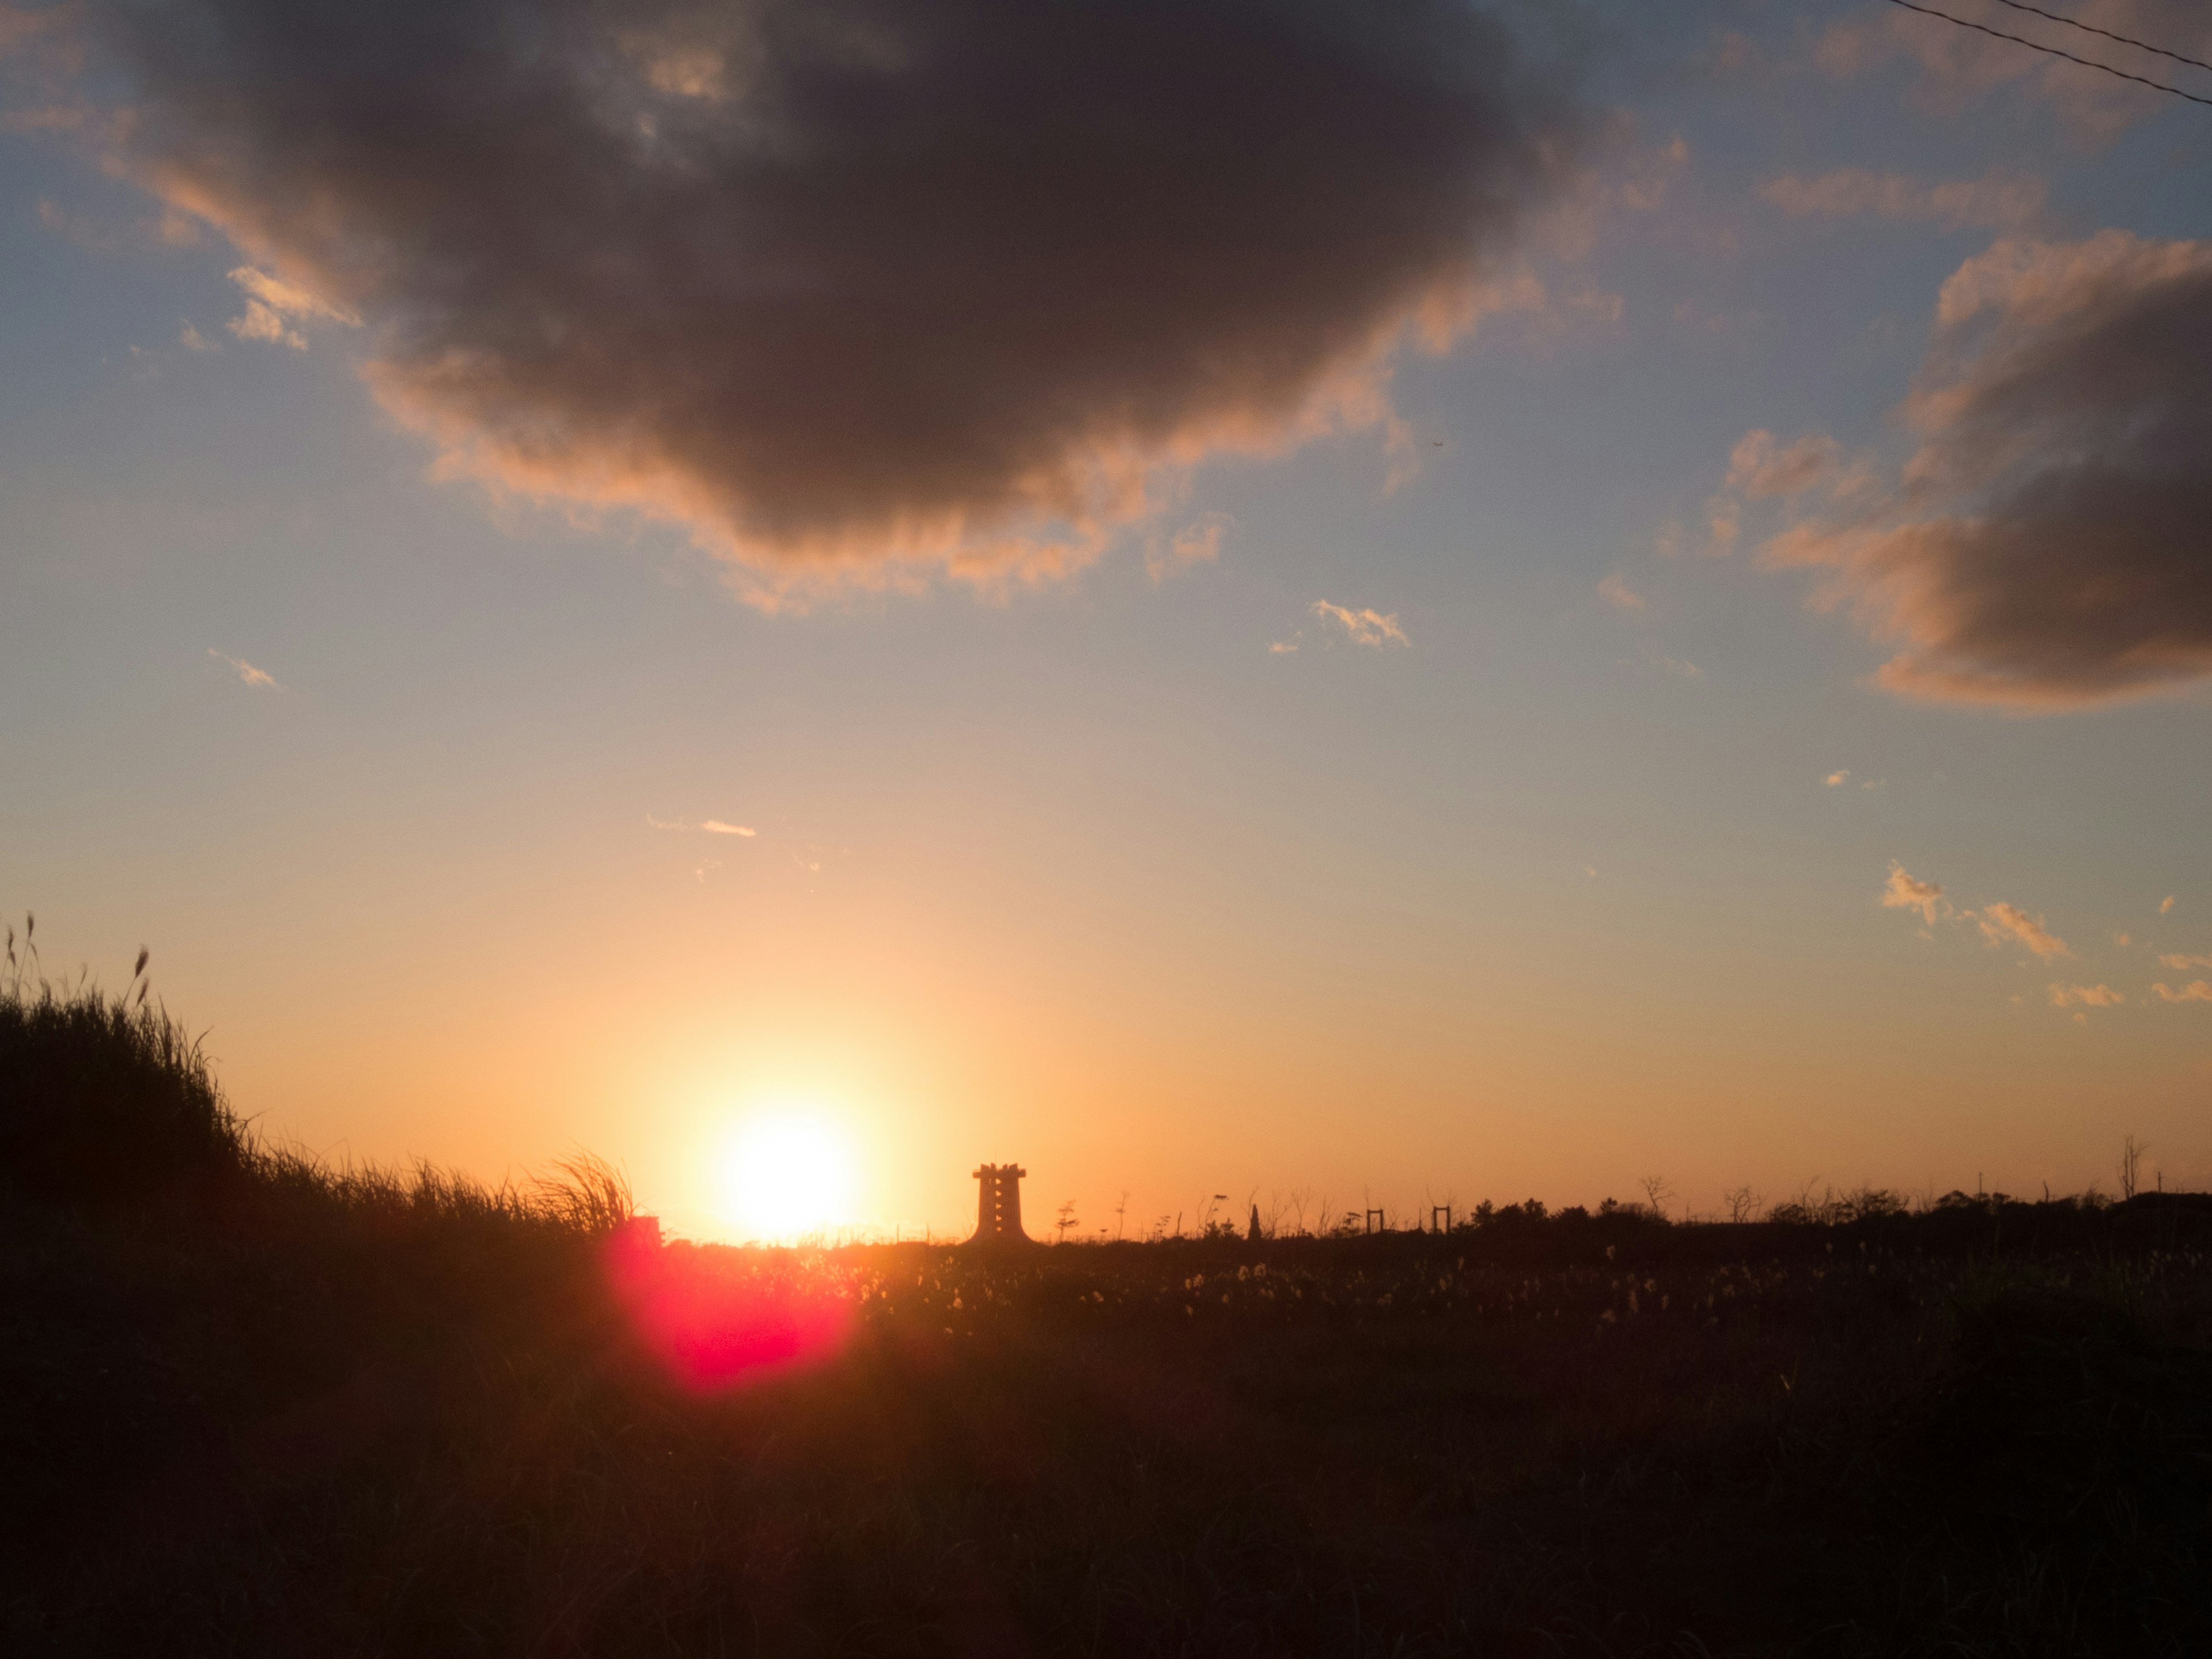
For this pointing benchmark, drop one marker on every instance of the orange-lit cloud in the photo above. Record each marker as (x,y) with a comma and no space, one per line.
(2045,548)
(2182,964)
(705,826)
(2166,905)
(1615,591)
(1197,542)
(274,308)
(2197,990)
(1902,892)
(2001,200)
(1758,466)
(1368,628)
(2007,924)
(857,292)
(246,672)
(1837,778)
(2085,996)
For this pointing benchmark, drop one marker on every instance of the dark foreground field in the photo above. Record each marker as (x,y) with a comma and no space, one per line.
(252,1407)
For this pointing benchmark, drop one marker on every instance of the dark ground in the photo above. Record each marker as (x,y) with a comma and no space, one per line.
(252,1407)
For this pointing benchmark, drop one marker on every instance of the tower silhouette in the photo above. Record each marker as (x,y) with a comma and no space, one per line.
(998,1205)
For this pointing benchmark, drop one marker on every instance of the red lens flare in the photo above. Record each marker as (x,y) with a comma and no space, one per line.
(718,1318)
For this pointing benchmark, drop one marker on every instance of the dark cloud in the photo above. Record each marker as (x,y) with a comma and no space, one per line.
(844,280)
(2051,542)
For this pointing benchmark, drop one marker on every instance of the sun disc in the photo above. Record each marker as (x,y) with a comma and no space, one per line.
(787,1174)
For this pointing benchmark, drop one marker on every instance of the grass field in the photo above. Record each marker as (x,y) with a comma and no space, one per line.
(259,1407)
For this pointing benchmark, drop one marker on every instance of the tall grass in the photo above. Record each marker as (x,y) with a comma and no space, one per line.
(107,1100)
(103,1098)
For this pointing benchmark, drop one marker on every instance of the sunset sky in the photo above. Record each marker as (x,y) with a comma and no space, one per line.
(1389,602)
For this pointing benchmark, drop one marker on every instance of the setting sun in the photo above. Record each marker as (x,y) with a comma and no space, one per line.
(787,1174)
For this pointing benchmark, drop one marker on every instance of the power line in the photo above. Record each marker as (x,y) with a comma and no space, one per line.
(2036,46)
(2091,28)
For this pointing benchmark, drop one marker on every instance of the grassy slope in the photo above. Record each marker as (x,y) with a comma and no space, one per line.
(255,1408)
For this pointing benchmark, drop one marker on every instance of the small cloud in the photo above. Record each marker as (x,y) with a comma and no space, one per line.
(1368,628)
(2122,940)
(192,340)
(1902,892)
(1688,670)
(2182,964)
(246,672)
(2001,199)
(1197,542)
(2166,905)
(1837,778)
(2197,990)
(2085,996)
(1758,467)
(1873,783)
(1284,648)
(704,827)
(1589,869)
(2005,924)
(1723,524)
(273,305)
(1614,590)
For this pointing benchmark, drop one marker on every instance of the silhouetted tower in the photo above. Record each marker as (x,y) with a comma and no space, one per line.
(1254,1236)
(998,1205)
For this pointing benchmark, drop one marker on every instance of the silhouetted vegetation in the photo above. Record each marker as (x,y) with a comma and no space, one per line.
(259,1406)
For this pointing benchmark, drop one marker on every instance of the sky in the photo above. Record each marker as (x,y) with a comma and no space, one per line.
(1331,604)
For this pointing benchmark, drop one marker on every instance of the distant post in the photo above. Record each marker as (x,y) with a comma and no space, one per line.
(998,1205)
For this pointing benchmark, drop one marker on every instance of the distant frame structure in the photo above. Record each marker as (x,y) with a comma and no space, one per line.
(998,1205)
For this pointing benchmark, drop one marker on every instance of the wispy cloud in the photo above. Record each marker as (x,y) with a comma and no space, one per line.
(1959,66)
(2007,924)
(2197,990)
(1837,778)
(1368,628)
(246,672)
(704,827)
(1197,542)
(1615,591)
(1902,892)
(1286,647)
(2085,996)
(273,307)
(1761,466)
(192,340)
(2166,905)
(2182,964)
(2007,200)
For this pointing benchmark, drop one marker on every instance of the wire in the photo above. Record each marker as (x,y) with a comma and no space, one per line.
(2086,63)
(2091,28)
